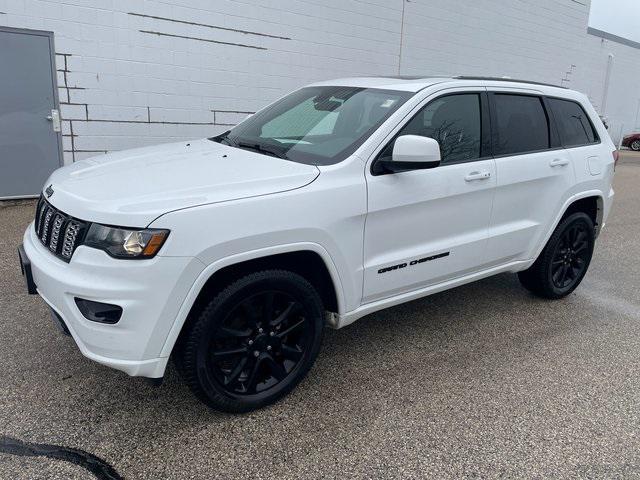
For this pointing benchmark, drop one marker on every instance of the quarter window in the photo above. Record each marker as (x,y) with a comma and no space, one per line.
(454,121)
(521,124)
(573,123)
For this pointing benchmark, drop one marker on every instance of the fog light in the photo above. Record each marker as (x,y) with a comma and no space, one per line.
(98,311)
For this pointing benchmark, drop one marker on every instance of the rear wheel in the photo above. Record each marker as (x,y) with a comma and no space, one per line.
(563,262)
(254,342)
(635,145)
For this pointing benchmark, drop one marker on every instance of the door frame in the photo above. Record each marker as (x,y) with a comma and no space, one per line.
(486,143)
(427,98)
(54,85)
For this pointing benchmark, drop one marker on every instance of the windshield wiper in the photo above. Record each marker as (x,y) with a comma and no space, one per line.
(227,140)
(224,138)
(261,148)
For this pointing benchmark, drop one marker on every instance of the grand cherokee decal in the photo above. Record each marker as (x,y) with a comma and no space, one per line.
(413,262)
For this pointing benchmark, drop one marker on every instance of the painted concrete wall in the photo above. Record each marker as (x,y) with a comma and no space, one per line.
(134,73)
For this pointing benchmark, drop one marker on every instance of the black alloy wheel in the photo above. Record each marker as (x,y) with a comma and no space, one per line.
(564,260)
(571,256)
(259,343)
(254,342)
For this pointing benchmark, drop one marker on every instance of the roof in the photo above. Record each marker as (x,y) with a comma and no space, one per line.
(389,83)
(417,83)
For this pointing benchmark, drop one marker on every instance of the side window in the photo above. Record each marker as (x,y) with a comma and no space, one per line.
(521,124)
(454,121)
(574,125)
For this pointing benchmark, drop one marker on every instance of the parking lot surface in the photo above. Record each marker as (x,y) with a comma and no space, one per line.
(482,381)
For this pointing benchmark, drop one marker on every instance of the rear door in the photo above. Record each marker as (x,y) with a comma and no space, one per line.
(427,226)
(30,141)
(534,174)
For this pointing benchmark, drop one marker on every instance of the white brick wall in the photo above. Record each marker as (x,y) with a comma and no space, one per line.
(534,39)
(210,62)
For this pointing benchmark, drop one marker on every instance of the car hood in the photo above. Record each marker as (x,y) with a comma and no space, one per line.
(133,187)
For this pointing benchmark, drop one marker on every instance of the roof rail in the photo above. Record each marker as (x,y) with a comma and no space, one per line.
(505,79)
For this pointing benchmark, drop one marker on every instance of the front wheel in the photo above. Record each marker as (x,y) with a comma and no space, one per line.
(563,262)
(254,342)
(635,145)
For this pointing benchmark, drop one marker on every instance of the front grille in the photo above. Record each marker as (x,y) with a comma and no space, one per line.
(57,231)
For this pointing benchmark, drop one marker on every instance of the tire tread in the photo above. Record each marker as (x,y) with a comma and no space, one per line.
(536,277)
(186,358)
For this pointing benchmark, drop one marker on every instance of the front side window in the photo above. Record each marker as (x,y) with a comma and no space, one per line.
(521,124)
(316,125)
(454,121)
(573,123)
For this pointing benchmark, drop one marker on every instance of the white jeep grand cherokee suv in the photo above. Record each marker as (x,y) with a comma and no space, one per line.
(231,254)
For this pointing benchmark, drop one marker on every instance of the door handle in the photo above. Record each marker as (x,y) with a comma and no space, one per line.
(558,162)
(477,176)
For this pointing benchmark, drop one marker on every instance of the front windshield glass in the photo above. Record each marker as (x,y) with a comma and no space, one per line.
(316,125)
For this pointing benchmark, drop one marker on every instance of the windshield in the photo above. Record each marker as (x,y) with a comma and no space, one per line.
(316,125)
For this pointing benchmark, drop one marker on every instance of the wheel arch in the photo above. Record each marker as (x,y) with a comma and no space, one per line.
(591,202)
(309,260)
(592,205)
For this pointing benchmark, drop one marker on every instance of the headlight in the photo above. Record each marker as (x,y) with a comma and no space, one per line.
(124,242)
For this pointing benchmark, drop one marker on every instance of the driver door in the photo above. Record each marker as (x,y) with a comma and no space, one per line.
(428,226)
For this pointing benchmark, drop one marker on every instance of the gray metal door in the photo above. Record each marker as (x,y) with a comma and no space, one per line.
(30,149)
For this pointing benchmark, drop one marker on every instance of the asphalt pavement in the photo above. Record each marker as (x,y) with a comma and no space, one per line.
(484,380)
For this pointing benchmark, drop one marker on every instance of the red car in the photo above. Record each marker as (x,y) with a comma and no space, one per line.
(632,141)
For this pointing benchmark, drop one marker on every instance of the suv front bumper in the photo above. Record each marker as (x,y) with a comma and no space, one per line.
(150,292)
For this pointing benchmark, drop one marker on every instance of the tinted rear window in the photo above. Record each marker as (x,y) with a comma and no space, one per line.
(522,124)
(573,123)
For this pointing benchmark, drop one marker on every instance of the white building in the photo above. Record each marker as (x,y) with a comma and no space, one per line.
(132,73)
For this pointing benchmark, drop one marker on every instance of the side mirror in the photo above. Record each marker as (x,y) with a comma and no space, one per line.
(411,152)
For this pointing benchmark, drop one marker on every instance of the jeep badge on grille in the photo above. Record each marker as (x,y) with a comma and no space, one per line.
(49,191)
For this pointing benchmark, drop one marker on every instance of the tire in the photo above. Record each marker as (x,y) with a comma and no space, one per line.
(635,145)
(564,261)
(254,342)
